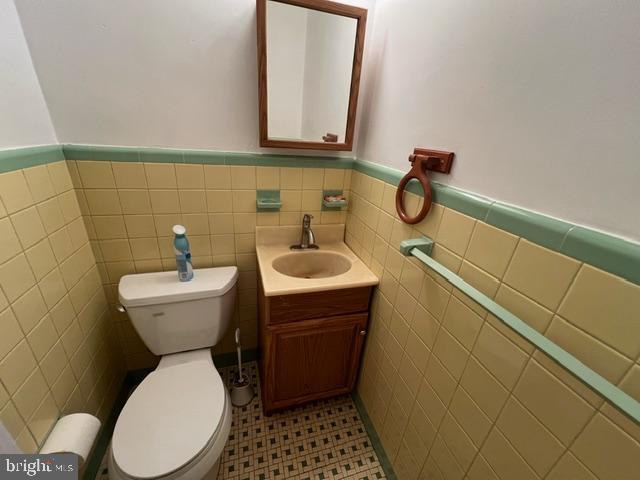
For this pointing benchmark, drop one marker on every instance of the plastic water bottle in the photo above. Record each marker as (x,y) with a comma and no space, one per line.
(183,254)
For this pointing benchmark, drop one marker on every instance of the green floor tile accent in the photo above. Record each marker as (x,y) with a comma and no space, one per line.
(373,435)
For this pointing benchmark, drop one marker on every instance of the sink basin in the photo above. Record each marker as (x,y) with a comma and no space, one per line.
(312,264)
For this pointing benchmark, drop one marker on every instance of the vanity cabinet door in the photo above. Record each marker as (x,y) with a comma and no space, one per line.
(313,359)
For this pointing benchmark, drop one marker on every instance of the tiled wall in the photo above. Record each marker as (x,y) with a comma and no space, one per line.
(130,208)
(58,349)
(452,392)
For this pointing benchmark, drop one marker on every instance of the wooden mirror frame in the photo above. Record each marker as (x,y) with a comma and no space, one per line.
(360,14)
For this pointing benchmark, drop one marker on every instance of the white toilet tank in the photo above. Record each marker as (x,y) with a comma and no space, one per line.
(172,316)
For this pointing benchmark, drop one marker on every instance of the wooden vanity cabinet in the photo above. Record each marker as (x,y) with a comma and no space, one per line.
(310,344)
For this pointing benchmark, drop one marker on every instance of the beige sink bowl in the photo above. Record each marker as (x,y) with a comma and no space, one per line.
(312,264)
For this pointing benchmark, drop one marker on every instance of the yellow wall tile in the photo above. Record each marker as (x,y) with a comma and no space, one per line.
(9,243)
(103,202)
(16,367)
(504,460)
(312,178)
(135,202)
(499,355)
(491,249)
(570,467)
(28,226)
(541,274)
(459,443)
(562,411)
(291,178)
(29,309)
(596,296)
(267,178)
(16,277)
(164,201)
(143,249)
(139,225)
(42,337)
(607,451)
(603,359)
(129,174)
(531,439)
(462,323)
(291,200)
(11,333)
(161,175)
(51,215)
(217,177)
(39,183)
(52,287)
(109,226)
(41,259)
(243,178)
(193,201)
(43,419)
(455,231)
(60,176)
(30,394)
(190,176)
(219,201)
(14,192)
(334,179)
(483,388)
(96,174)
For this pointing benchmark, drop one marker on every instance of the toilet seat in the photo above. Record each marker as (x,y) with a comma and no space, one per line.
(171,420)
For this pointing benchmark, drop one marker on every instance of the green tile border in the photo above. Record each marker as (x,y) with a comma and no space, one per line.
(132,379)
(205,157)
(16,159)
(607,252)
(373,436)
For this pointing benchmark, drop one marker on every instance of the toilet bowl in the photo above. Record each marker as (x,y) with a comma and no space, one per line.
(176,422)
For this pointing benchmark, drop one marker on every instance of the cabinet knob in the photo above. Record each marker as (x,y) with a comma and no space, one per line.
(363,333)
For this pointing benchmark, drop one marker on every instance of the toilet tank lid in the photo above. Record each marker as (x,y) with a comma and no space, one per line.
(164,287)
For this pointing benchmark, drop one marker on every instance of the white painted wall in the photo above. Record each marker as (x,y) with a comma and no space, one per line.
(286,51)
(24,118)
(327,76)
(539,99)
(149,72)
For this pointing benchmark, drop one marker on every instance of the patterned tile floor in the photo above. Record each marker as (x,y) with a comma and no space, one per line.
(323,440)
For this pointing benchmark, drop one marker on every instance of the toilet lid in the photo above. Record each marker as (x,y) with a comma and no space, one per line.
(168,420)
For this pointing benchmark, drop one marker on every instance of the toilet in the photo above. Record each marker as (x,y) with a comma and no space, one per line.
(177,421)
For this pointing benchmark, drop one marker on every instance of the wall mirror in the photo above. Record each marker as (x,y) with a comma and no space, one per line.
(309,61)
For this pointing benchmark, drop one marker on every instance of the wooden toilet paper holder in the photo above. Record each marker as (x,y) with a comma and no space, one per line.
(421,161)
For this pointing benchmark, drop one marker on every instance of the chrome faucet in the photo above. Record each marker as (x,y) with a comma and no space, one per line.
(307,238)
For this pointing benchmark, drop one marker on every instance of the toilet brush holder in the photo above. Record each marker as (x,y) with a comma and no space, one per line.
(241,388)
(241,391)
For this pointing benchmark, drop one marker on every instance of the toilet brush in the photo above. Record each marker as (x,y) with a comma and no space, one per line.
(241,390)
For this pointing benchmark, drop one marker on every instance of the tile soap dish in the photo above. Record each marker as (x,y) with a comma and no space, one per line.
(333,199)
(268,200)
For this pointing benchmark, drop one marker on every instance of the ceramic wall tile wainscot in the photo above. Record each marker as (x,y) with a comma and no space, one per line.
(59,348)
(487,403)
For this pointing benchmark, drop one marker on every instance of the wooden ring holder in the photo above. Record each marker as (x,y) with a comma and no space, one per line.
(419,165)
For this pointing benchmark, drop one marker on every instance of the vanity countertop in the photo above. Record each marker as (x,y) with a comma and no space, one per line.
(274,242)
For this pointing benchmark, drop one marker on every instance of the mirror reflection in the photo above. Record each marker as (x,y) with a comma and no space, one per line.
(310,56)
